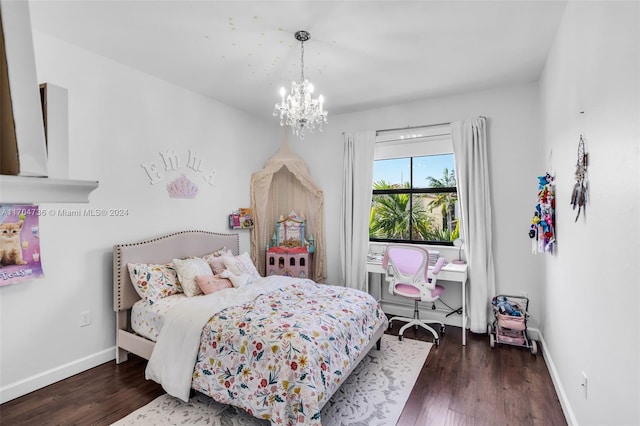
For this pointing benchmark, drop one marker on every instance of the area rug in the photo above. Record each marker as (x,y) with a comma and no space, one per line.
(374,394)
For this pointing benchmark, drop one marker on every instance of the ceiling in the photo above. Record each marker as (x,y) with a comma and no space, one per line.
(362,54)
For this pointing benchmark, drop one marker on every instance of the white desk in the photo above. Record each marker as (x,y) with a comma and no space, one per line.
(449,272)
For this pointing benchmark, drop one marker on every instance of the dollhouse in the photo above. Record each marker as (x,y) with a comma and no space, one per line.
(290,253)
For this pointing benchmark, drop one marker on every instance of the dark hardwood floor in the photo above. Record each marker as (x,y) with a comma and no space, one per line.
(477,385)
(471,385)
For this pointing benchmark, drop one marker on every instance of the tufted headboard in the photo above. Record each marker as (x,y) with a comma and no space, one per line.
(161,249)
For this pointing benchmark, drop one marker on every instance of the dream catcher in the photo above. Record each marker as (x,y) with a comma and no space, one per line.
(579,194)
(542,230)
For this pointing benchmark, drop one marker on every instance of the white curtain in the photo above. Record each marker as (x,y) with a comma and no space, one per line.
(470,152)
(356,206)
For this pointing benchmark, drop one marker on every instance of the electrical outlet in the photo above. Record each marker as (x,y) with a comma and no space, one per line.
(584,384)
(85,318)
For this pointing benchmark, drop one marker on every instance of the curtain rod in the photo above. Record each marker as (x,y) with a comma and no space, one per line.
(411,127)
(418,127)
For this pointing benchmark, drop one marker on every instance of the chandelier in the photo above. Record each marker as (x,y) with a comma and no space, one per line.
(299,110)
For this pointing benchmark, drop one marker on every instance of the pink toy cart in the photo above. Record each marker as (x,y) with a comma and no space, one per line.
(507,328)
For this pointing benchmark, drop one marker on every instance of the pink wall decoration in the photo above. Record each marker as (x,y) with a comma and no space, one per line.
(20,257)
(182,187)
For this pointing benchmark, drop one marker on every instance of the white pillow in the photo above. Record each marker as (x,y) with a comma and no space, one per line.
(237,280)
(153,282)
(187,270)
(241,265)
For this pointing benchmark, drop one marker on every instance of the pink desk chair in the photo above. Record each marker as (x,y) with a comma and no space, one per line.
(407,270)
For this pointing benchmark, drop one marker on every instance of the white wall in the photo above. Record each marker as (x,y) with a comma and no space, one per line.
(590,319)
(515,159)
(584,298)
(119,118)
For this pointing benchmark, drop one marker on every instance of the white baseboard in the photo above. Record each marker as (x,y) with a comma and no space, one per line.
(38,381)
(557,384)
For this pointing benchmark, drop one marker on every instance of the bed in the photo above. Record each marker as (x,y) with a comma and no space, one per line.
(278,347)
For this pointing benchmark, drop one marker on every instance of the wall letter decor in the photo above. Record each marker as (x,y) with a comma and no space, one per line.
(182,186)
(171,160)
(194,162)
(154,174)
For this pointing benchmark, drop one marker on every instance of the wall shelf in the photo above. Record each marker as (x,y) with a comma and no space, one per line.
(36,190)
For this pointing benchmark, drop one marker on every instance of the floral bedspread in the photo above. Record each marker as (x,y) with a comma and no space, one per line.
(283,355)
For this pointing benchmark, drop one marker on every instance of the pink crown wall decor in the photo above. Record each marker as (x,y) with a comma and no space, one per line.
(182,187)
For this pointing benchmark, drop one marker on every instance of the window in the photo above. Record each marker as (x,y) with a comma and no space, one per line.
(414,187)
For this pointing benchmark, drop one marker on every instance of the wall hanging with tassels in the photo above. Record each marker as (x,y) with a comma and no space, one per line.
(542,230)
(580,189)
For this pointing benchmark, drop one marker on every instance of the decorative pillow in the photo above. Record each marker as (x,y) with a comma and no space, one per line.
(241,265)
(212,283)
(187,270)
(237,280)
(221,252)
(215,259)
(153,282)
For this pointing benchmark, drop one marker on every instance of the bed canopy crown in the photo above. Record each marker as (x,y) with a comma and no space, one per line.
(284,185)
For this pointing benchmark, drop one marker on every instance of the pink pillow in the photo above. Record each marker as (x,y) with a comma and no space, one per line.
(212,283)
(215,260)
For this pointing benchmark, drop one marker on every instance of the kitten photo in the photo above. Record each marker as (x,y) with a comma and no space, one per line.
(10,248)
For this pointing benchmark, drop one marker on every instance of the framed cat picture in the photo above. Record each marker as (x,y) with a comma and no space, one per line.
(19,243)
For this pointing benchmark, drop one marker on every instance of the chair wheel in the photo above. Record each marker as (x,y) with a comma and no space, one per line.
(442,330)
(390,325)
(400,337)
(437,342)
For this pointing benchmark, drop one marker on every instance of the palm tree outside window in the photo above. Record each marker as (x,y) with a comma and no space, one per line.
(414,200)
